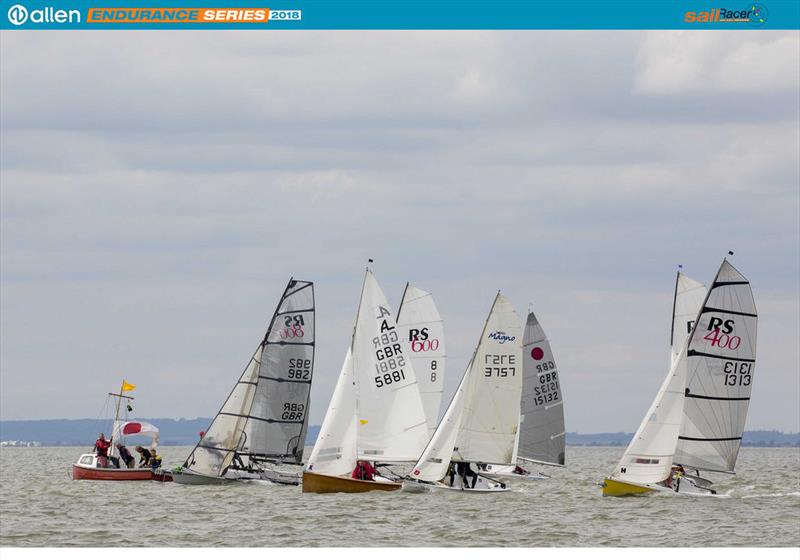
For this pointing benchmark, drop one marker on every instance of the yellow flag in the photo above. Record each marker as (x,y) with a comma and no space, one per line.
(362,422)
(127,386)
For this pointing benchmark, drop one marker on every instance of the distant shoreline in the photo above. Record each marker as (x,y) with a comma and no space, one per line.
(68,433)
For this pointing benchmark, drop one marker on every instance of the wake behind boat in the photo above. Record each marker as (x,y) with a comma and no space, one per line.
(261,428)
(697,418)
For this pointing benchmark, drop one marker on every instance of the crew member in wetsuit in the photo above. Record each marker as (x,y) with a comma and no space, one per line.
(101,447)
(144,456)
(126,456)
(463,469)
(364,471)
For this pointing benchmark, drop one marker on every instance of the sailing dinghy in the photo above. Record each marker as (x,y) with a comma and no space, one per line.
(375,417)
(93,466)
(697,418)
(481,423)
(262,424)
(421,327)
(541,435)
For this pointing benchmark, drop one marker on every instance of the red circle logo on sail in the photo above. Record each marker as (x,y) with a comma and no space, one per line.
(537,353)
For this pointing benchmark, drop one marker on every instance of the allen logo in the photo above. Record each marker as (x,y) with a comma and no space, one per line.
(19,15)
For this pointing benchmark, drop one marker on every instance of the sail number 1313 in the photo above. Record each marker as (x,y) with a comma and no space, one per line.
(737,373)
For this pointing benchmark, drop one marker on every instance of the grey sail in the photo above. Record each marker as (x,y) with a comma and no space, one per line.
(264,419)
(541,435)
(721,357)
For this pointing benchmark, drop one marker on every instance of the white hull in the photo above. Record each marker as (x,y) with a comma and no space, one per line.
(267,475)
(483,486)
(506,473)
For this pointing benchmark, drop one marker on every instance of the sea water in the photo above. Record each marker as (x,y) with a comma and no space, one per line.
(41,506)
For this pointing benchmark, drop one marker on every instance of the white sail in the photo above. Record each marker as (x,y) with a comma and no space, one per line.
(422,330)
(481,423)
(435,459)
(721,359)
(648,458)
(216,450)
(335,449)
(391,419)
(689,296)
(542,436)
(265,416)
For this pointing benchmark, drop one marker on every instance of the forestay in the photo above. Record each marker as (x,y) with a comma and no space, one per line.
(721,359)
(542,436)
(422,330)
(481,423)
(265,415)
(689,296)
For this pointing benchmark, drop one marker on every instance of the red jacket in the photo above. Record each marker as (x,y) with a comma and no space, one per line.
(102,446)
(364,471)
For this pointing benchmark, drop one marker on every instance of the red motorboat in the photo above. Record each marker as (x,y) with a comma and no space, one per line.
(87,469)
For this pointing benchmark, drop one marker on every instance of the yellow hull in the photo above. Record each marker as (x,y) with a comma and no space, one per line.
(324,483)
(618,488)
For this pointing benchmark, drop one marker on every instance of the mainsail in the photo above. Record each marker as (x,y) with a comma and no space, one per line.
(481,423)
(541,435)
(376,412)
(689,296)
(421,328)
(721,358)
(265,416)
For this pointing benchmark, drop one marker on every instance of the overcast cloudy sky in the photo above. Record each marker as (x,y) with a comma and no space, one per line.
(158,189)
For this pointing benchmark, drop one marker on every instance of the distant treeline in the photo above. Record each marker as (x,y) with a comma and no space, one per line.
(185,432)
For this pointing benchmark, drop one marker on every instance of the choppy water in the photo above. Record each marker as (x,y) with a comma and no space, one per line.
(41,506)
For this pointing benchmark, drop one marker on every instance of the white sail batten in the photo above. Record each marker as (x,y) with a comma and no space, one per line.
(391,419)
(542,435)
(721,359)
(335,449)
(422,330)
(689,296)
(265,416)
(482,421)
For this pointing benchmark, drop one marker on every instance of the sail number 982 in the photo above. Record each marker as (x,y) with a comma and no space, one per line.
(500,365)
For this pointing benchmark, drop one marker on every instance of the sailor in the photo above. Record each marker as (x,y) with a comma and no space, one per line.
(464,470)
(677,474)
(126,456)
(144,456)
(364,471)
(101,447)
(518,469)
(155,459)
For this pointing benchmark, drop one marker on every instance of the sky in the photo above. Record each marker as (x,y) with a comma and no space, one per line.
(158,189)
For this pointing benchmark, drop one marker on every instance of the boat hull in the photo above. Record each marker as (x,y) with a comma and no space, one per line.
(686,487)
(617,488)
(195,479)
(80,472)
(418,487)
(317,483)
